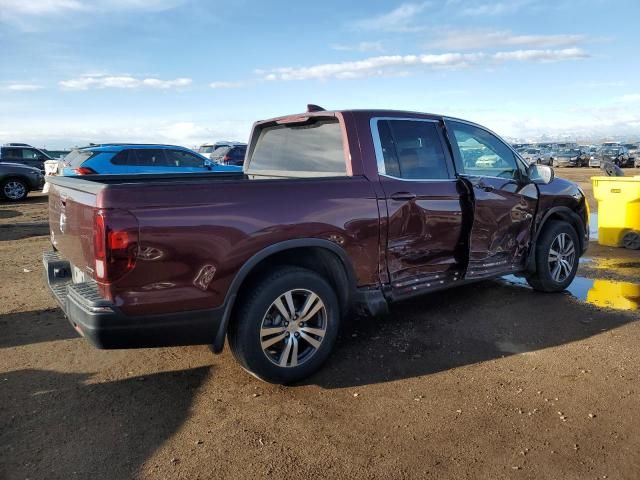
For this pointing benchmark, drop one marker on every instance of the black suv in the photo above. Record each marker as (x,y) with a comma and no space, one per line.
(24,154)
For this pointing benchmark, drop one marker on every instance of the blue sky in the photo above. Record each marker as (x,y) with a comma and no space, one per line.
(190,71)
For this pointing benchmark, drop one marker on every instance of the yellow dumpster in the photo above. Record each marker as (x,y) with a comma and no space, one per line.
(618,210)
(618,295)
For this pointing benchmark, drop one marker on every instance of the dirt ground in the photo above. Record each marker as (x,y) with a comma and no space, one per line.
(490,380)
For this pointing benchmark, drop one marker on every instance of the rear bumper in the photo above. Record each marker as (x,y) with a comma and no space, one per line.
(107,327)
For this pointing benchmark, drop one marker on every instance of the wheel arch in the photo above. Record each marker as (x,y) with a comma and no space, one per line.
(322,256)
(561,213)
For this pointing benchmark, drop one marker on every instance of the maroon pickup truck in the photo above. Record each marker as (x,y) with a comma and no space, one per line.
(335,212)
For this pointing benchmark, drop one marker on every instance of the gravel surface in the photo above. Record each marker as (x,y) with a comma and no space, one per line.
(489,380)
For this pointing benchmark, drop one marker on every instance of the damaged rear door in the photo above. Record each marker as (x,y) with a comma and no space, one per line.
(504,202)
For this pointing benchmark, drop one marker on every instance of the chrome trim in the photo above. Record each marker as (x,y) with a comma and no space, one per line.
(430,180)
(377,145)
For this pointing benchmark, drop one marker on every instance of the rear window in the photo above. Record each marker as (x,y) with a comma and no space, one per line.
(205,149)
(314,149)
(76,158)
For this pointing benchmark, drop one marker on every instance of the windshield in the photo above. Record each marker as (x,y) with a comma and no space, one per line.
(205,149)
(532,150)
(611,151)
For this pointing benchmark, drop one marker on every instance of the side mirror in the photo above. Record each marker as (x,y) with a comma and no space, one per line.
(541,174)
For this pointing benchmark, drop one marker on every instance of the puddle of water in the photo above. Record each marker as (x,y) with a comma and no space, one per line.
(601,293)
(612,264)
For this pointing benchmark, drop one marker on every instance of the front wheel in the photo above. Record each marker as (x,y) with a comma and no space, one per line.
(286,327)
(556,258)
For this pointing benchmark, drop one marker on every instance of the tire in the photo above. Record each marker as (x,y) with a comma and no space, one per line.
(313,340)
(555,276)
(14,189)
(631,240)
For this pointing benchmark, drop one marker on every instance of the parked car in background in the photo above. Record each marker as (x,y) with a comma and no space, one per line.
(617,154)
(17,180)
(24,154)
(206,149)
(128,158)
(229,155)
(334,212)
(594,156)
(633,150)
(567,157)
(546,155)
(532,155)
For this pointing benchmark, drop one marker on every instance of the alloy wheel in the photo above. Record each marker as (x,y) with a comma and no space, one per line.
(293,328)
(562,257)
(14,190)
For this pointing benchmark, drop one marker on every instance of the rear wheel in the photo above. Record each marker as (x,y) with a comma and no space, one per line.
(556,258)
(286,327)
(631,240)
(14,189)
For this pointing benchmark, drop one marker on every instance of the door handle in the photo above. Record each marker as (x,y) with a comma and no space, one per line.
(406,196)
(485,187)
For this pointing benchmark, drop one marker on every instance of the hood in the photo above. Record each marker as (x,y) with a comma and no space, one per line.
(20,166)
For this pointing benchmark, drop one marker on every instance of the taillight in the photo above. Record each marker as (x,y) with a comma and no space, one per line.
(84,171)
(115,244)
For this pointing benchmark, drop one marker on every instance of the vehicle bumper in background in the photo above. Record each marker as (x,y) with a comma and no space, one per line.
(105,326)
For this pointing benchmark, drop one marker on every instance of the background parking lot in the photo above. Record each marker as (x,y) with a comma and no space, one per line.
(488,380)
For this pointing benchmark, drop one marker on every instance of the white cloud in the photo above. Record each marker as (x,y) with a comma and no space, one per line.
(86,82)
(371,66)
(48,7)
(238,84)
(478,38)
(359,47)
(382,65)
(23,87)
(542,55)
(494,8)
(400,19)
(39,7)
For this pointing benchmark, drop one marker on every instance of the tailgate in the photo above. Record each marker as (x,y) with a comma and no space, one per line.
(71,217)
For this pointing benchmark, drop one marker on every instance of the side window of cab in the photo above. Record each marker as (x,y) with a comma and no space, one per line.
(412,150)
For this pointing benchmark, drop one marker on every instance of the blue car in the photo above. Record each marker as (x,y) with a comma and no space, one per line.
(128,158)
